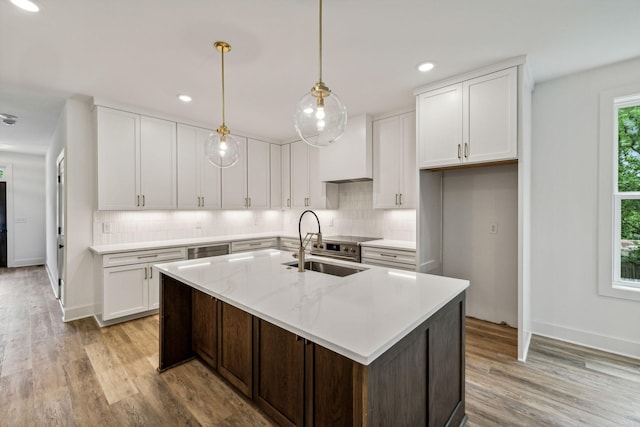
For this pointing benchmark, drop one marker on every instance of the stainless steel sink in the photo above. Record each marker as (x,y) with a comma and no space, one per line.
(327,268)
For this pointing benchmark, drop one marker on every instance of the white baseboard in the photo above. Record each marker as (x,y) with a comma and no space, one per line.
(75,313)
(522,352)
(103,323)
(28,262)
(588,339)
(52,279)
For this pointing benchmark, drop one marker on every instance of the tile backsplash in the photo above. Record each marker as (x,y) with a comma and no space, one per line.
(355,216)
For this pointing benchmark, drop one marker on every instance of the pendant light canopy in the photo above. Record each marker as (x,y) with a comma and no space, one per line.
(222,148)
(320,116)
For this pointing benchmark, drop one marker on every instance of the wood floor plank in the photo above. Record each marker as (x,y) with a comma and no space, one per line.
(113,378)
(89,404)
(16,405)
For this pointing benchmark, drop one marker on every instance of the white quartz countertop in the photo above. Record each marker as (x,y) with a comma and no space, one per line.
(162,244)
(358,316)
(391,244)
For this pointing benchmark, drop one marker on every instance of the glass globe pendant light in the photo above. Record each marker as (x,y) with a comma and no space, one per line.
(222,149)
(320,116)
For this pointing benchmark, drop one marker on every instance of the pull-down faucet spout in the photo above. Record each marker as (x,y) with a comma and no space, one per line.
(304,242)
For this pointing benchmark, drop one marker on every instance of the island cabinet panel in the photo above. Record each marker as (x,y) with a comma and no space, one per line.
(279,373)
(235,347)
(204,321)
(333,388)
(175,323)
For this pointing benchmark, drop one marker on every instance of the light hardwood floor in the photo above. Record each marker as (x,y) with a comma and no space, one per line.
(52,373)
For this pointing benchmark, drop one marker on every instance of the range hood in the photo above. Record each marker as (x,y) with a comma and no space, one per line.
(350,158)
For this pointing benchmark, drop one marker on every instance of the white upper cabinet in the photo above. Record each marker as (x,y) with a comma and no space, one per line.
(198,180)
(136,161)
(350,157)
(247,184)
(490,117)
(275,176)
(395,170)
(258,182)
(307,190)
(474,121)
(158,163)
(285,156)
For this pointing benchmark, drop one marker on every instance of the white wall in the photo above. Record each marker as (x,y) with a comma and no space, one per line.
(28,204)
(472,200)
(565,301)
(74,134)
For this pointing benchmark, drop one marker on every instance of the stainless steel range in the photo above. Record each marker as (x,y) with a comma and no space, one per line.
(341,247)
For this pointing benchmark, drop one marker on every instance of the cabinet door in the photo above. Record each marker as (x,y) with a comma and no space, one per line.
(126,291)
(408,172)
(440,124)
(118,155)
(317,189)
(187,171)
(279,373)
(275,176)
(234,181)
(490,117)
(204,324)
(387,152)
(258,184)
(154,288)
(299,174)
(285,152)
(157,163)
(331,388)
(210,176)
(235,341)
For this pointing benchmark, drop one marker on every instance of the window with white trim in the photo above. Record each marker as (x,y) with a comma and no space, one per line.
(626,192)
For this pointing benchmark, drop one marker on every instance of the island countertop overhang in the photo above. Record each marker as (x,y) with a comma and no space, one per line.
(358,316)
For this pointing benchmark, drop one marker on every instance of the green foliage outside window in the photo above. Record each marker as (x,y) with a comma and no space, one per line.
(629,180)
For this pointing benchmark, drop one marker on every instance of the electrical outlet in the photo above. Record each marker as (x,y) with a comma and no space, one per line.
(21,220)
(330,221)
(106,227)
(493,228)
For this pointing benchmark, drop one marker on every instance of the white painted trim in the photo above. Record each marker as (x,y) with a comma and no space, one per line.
(8,178)
(508,63)
(588,339)
(28,262)
(103,323)
(607,169)
(52,279)
(75,313)
(386,115)
(523,346)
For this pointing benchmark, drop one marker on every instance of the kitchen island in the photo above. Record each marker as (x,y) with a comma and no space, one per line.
(378,347)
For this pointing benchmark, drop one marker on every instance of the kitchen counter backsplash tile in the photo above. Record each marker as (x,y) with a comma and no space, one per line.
(355,216)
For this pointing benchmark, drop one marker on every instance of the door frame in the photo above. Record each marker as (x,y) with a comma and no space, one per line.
(8,178)
(60,278)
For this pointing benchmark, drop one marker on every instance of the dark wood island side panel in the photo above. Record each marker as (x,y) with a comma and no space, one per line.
(417,382)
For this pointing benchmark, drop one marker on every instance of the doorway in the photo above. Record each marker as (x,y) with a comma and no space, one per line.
(3,224)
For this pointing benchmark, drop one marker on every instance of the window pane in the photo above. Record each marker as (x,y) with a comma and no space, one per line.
(630,239)
(629,149)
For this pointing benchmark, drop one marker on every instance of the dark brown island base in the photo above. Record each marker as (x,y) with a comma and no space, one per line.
(419,381)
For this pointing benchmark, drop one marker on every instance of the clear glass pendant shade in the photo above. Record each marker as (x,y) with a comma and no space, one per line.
(222,151)
(320,123)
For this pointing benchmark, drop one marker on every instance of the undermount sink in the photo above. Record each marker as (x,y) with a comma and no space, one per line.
(327,268)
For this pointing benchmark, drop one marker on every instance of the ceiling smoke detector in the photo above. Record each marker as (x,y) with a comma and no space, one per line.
(8,119)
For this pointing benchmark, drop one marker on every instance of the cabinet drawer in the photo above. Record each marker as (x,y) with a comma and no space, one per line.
(254,245)
(388,264)
(136,257)
(394,256)
(289,244)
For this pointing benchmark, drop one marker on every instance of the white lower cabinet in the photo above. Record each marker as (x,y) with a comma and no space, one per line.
(385,257)
(254,245)
(127,283)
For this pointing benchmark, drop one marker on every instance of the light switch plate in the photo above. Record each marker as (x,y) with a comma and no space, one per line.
(106,227)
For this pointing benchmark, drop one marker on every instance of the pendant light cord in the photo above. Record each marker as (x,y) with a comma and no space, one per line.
(222,52)
(320,44)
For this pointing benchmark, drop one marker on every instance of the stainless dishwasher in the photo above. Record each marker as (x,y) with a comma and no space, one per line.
(207,251)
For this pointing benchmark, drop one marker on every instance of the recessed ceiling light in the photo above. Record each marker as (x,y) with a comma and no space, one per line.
(27,5)
(185,98)
(426,66)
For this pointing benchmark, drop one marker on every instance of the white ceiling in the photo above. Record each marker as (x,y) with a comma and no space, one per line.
(143,53)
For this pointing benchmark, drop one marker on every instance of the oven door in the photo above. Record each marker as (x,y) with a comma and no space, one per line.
(332,256)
